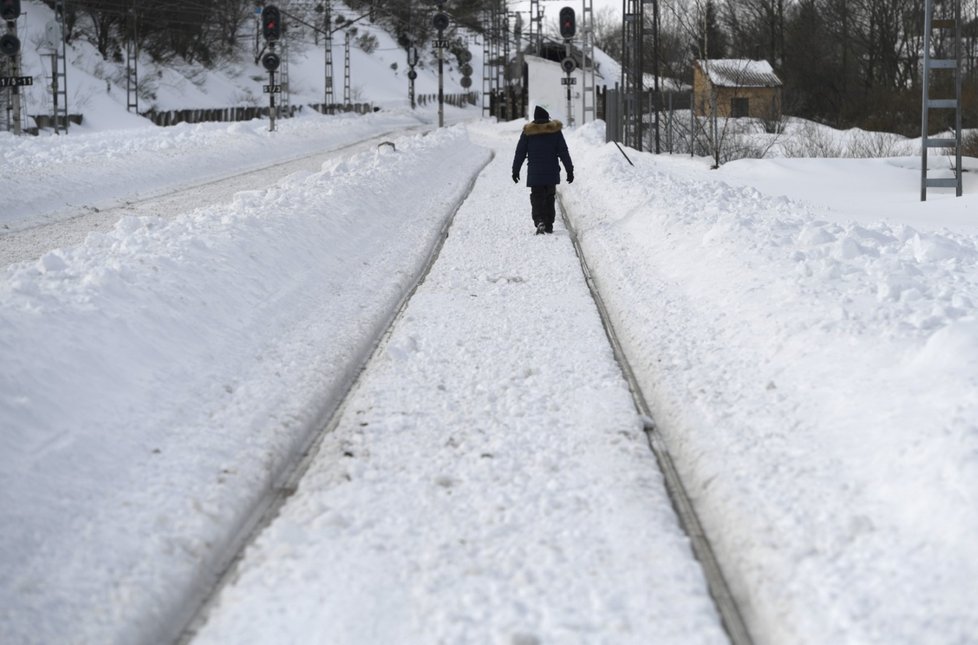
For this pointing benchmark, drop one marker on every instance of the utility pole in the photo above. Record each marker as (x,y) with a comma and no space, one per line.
(328,44)
(536,27)
(487,70)
(132,63)
(62,74)
(52,42)
(632,72)
(588,94)
(346,69)
(656,100)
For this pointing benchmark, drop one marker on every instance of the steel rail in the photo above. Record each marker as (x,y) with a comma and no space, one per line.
(723,599)
(287,481)
(71,226)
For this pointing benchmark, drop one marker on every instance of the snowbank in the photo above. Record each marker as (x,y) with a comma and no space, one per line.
(817,383)
(156,379)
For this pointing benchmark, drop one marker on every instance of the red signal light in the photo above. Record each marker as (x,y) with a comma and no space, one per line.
(271,23)
(568,23)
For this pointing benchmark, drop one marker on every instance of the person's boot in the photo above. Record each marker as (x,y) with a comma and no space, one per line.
(541,228)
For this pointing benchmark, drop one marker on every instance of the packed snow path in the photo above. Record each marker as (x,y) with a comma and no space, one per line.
(473,495)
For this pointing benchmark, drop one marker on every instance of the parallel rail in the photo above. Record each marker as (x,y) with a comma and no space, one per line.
(71,226)
(723,599)
(288,480)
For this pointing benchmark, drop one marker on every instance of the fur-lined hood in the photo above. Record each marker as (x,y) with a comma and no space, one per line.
(542,128)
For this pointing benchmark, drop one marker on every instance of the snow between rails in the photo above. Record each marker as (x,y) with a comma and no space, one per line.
(817,382)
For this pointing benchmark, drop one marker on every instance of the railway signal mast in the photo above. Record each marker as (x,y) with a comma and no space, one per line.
(10,50)
(568,28)
(440,22)
(271,31)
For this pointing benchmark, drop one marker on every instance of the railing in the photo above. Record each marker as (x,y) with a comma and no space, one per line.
(173,117)
(232,114)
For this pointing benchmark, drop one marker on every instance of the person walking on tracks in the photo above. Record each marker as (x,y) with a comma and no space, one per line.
(542,144)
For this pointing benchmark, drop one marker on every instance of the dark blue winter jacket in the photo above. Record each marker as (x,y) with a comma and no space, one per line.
(542,144)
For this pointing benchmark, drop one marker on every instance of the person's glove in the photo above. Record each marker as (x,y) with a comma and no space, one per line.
(516,177)
(570,178)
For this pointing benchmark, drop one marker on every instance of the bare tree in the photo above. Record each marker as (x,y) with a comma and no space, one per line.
(608,32)
(755,28)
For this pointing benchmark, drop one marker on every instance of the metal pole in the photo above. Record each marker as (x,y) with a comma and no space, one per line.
(567,72)
(54,89)
(15,100)
(925,85)
(716,127)
(15,90)
(271,94)
(570,117)
(328,68)
(958,170)
(639,72)
(667,115)
(8,98)
(59,15)
(132,63)
(412,61)
(441,81)
(655,70)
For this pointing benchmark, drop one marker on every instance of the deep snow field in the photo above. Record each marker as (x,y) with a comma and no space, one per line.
(808,340)
(183,309)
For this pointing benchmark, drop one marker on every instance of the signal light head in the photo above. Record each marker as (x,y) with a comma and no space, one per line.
(271,61)
(9,45)
(271,23)
(440,21)
(10,9)
(568,23)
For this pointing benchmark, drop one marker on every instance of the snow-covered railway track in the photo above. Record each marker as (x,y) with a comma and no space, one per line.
(266,510)
(724,600)
(488,478)
(70,227)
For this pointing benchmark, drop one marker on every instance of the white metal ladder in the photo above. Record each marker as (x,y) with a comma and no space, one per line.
(953,64)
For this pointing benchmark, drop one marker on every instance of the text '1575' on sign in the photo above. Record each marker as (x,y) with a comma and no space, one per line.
(16,81)
(568,81)
(272,89)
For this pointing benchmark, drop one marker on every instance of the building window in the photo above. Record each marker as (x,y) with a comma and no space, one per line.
(739,107)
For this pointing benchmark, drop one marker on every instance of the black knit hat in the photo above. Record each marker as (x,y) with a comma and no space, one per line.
(540,115)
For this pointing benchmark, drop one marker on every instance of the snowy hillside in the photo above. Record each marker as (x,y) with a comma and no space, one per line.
(97,88)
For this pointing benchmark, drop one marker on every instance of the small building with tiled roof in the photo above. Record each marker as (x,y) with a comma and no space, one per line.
(737,88)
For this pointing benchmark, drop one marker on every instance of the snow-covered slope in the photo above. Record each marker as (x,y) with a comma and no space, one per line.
(97,88)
